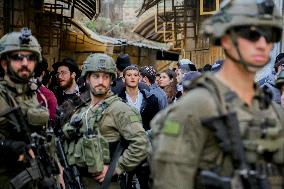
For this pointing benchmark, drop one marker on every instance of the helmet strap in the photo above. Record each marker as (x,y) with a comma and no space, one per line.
(247,66)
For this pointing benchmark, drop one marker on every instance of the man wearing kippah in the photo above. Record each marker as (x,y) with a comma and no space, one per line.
(148,76)
(122,61)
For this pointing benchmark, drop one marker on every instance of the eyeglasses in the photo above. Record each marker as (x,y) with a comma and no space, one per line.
(20,57)
(63,73)
(253,33)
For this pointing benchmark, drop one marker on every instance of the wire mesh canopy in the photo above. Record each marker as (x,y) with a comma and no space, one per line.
(90,8)
(154,30)
(147,4)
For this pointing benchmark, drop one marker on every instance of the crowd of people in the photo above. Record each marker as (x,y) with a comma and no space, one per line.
(114,124)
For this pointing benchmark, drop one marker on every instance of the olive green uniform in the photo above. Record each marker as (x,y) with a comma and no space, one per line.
(12,95)
(116,121)
(183,146)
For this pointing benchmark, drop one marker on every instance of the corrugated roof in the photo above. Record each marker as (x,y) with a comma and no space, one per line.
(157,46)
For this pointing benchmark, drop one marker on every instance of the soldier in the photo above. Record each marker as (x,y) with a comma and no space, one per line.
(20,53)
(225,131)
(99,125)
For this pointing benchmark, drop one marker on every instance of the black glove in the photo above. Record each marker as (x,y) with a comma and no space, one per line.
(13,147)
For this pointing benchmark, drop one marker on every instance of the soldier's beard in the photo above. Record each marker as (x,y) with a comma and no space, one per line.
(99,93)
(25,76)
(16,77)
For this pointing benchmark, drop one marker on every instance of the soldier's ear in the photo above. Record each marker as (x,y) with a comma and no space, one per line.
(226,42)
(4,65)
(87,79)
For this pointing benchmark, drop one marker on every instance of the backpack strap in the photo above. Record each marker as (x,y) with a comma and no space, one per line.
(117,153)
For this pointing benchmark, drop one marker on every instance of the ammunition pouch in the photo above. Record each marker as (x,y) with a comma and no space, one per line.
(89,151)
(37,116)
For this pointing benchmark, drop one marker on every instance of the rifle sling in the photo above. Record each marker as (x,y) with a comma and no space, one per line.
(117,153)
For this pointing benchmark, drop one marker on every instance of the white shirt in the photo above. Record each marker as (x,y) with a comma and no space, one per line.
(137,104)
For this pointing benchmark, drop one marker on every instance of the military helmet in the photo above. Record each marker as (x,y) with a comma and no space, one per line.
(99,62)
(20,41)
(235,13)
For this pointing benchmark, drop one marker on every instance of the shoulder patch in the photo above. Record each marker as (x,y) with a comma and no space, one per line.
(171,127)
(135,118)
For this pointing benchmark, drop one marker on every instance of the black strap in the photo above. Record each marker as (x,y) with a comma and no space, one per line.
(119,149)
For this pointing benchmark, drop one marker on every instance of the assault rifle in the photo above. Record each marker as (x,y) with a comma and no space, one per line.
(227,131)
(71,174)
(43,167)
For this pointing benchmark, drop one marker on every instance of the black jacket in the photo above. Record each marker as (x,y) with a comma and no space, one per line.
(149,107)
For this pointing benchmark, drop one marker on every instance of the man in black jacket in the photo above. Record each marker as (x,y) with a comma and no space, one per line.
(144,102)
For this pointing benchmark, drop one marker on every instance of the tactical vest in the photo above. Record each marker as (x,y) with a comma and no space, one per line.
(261,129)
(35,115)
(87,147)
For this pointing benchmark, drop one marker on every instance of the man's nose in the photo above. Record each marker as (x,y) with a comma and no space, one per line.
(100,80)
(25,61)
(262,42)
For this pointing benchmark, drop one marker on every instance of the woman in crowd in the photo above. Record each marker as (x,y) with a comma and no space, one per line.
(168,82)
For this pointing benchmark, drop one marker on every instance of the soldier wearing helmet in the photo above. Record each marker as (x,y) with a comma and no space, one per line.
(16,47)
(20,53)
(219,135)
(108,119)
